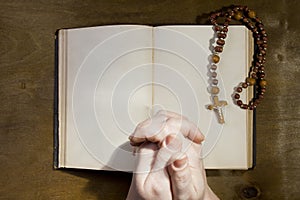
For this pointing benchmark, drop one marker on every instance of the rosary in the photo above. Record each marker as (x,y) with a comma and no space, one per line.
(256,76)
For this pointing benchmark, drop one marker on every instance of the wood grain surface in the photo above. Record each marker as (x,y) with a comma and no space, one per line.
(27,32)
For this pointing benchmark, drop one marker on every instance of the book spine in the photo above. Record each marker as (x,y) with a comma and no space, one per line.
(55,107)
(60,98)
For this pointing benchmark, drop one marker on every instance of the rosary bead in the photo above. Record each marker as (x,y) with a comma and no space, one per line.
(244,106)
(251,107)
(261,75)
(238,15)
(215,90)
(259,42)
(213,21)
(221,35)
(251,14)
(244,85)
(239,102)
(261,69)
(260,57)
(220,42)
(236,96)
(215,58)
(239,89)
(213,67)
(225,29)
(251,81)
(263,83)
(260,96)
(218,49)
(217,28)
(245,20)
(254,75)
(214,74)
(215,81)
(263,89)
(258,20)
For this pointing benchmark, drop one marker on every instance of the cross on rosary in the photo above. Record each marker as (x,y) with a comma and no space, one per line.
(217,106)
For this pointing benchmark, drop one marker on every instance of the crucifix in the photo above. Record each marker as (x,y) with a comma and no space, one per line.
(217,106)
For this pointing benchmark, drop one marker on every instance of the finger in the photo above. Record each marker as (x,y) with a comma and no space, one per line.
(157,128)
(158,179)
(147,129)
(171,146)
(187,128)
(181,178)
(145,155)
(169,114)
(197,169)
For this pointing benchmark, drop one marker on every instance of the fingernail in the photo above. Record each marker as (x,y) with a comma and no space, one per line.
(180,162)
(172,143)
(169,139)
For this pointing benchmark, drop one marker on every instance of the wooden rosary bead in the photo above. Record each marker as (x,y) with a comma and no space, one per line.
(215,58)
(215,81)
(261,68)
(215,90)
(238,15)
(217,28)
(261,75)
(251,107)
(213,67)
(244,85)
(239,89)
(251,81)
(245,20)
(214,74)
(236,96)
(251,14)
(244,106)
(239,102)
(263,83)
(220,42)
(218,49)
(225,29)
(221,35)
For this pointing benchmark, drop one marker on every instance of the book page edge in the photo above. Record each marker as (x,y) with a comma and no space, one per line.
(62,72)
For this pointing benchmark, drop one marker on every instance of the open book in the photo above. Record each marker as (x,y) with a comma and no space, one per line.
(110,78)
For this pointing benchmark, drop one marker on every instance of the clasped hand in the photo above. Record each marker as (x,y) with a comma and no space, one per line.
(163,170)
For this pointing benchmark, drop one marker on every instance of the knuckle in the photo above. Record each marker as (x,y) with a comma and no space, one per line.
(140,128)
(161,113)
(182,178)
(154,189)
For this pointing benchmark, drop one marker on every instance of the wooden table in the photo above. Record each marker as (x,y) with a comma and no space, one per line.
(27,31)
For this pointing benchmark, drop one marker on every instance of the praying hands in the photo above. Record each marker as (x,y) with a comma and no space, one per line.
(163,170)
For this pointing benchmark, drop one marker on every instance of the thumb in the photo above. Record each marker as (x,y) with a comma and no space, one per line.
(181,178)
